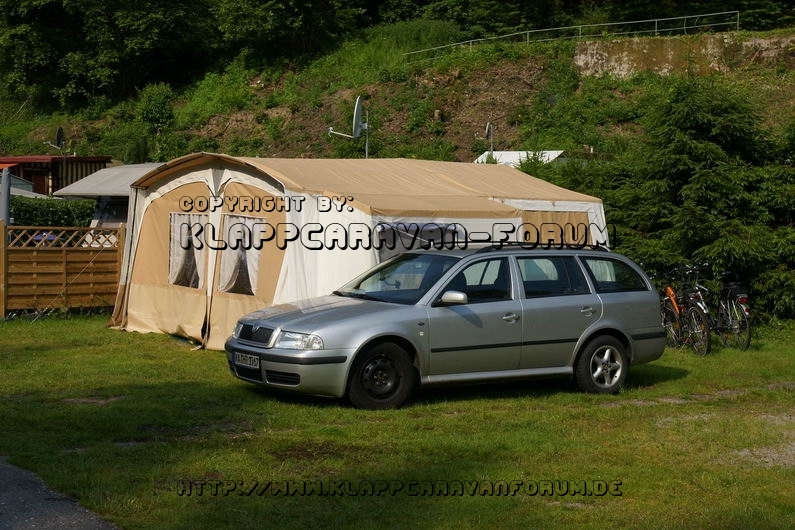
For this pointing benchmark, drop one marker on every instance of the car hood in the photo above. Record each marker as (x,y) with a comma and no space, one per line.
(312,314)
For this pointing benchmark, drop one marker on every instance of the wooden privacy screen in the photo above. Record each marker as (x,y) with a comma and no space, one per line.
(43,267)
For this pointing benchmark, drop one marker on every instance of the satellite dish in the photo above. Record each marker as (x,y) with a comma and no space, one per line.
(59,140)
(490,135)
(359,125)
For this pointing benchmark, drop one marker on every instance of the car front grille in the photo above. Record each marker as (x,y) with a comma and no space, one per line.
(255,334)
(282,378)
(252,374)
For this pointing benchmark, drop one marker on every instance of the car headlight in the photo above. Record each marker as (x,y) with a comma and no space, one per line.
(290,340)
(238,329)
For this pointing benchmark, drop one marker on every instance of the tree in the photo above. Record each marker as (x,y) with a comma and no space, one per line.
(704,186)
(34,35)
(288,27)
(77,49)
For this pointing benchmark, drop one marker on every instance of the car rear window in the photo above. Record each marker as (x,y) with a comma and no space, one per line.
(614,276)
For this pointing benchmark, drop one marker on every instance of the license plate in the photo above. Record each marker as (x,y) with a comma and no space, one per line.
(244,359)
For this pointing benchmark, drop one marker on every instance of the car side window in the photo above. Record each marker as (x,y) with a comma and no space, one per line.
(484,281)
(614,276)
(551,276)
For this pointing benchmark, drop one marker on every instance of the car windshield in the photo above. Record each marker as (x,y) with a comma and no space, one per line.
(403,279)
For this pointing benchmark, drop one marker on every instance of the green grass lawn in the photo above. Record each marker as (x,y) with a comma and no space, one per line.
(121,420)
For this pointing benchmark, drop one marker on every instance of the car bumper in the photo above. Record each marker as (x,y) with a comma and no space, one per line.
(648,345)
(318,372)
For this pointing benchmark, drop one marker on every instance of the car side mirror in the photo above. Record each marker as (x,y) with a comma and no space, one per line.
(454,298)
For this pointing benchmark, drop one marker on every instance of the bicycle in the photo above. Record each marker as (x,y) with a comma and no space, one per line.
(734,317)
(685,316)
(669,309)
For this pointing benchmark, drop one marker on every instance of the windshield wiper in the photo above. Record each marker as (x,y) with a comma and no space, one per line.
(363,296)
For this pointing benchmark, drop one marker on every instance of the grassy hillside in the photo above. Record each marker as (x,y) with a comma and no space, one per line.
(434,109)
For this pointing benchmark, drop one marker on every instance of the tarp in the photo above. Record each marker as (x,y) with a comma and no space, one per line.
(200,293)
(515,158)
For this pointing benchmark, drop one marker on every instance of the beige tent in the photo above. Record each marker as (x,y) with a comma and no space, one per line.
(228,206)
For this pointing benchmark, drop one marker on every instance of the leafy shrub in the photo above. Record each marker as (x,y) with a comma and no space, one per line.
(28,211)
(129,141)
(217,94)
(155,107)
(417,34)
(170,145)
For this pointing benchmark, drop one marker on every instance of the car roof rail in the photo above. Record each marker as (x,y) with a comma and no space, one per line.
(492,247)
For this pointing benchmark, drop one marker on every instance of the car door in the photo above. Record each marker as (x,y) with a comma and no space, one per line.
(557,307)
(626,296)
(483,335)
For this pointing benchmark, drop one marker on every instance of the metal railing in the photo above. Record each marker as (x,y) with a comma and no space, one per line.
(723,21)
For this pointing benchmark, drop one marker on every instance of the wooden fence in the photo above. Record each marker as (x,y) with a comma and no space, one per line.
(44,268)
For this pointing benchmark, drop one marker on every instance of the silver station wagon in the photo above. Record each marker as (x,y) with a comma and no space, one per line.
(458,316)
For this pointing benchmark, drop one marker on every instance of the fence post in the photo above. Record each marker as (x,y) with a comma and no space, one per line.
(3,265)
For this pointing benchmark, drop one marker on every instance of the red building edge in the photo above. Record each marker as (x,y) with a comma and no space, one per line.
(49,173)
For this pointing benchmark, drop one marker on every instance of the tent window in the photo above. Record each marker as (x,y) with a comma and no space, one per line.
(185,265)
(239,266)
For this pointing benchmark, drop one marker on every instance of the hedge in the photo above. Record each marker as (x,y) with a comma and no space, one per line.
(27,211)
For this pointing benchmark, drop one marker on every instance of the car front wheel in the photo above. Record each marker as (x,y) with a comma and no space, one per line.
(382,377)
(602,366)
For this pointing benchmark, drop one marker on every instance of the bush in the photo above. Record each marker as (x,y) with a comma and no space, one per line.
(154,107)
(27,211)
(217,94)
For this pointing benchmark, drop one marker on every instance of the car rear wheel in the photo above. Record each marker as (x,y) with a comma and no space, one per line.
(602,366)
(382,377)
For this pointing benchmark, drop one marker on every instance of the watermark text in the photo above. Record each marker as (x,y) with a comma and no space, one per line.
(405,236)
(411,488)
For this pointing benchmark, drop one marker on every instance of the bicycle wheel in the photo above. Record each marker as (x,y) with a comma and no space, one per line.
(698,337)
(672,325)
(736,330)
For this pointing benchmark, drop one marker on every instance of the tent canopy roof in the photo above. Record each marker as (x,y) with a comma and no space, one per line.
(111,181)
(387,185)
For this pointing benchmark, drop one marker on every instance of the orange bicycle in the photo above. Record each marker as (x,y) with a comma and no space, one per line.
(685,315)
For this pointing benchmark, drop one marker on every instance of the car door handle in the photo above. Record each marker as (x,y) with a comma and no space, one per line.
(510,317)
(587,311)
